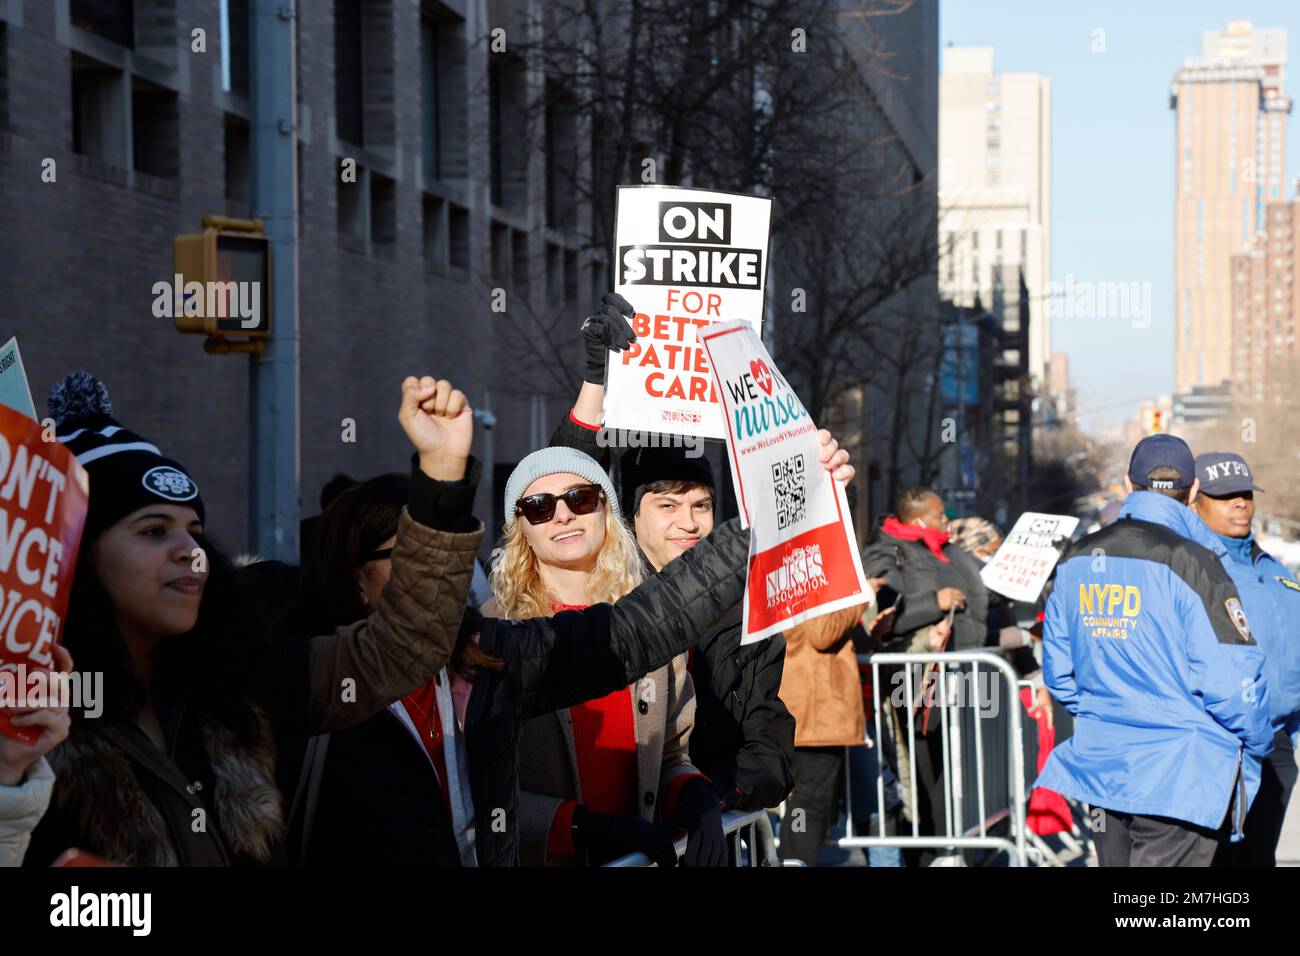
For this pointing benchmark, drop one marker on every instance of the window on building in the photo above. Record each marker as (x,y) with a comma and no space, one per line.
(508,162)
(383,213)
(155,130)
(98,111)
(351,198)
(500,253)
(364,76)
(4,75)
(570,277)
(520,262)
(457,236)
(111,19)
(561,135)
(349,92)
(237,155)
(554,272)
(235,47)
(434,223)
(443,100)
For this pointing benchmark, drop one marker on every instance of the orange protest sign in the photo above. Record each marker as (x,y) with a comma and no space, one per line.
(43,498)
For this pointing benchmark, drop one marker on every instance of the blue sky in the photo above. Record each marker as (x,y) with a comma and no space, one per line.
(1113,159)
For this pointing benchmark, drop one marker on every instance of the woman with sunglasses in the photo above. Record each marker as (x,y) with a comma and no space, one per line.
(431,780)
(598,779)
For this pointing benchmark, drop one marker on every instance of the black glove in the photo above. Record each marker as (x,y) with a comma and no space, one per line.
(699,810)
(1062,544)
(606,837)
(606,331)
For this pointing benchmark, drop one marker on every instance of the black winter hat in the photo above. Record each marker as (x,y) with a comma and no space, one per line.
(642,466)
(126,472)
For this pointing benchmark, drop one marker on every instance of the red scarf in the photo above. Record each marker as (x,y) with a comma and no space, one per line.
(934,540)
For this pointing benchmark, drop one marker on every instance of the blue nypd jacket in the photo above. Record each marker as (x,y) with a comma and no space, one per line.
(1146,643)
(1271,597)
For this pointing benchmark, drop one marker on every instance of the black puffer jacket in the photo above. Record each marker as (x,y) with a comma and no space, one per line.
(915,575)
(744,735)
(393,800)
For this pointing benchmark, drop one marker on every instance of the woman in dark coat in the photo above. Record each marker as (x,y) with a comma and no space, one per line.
(181,767)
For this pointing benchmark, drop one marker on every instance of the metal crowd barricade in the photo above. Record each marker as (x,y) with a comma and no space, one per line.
(983,756)
(754,828)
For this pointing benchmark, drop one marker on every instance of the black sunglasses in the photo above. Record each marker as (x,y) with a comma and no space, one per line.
(539,509)
(379,555)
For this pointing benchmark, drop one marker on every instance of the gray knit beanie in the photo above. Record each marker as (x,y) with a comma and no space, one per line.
(557,460)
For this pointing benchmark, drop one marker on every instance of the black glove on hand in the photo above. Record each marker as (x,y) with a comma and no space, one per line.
(699,810)
(606,331)
(606,837)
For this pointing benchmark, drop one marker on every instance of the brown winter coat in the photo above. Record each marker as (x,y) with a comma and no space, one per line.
(121,798)
(820,685)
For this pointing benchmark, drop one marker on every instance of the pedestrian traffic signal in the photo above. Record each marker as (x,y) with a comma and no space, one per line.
(222,282)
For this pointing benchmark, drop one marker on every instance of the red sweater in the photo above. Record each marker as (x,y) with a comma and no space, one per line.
(422,707)
(604,738)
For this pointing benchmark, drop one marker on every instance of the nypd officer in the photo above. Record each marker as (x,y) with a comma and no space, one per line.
(1271,598)
(1146,644)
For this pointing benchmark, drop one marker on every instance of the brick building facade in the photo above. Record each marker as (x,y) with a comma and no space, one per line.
(148,134)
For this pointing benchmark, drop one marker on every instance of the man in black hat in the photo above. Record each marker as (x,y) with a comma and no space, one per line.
(743,738)
(1271,598)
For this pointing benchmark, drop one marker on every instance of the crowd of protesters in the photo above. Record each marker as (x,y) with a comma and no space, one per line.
(374,706)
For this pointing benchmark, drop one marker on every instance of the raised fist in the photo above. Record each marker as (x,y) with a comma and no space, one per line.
(440,424)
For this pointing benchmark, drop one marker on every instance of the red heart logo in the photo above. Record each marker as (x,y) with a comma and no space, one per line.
(762,375)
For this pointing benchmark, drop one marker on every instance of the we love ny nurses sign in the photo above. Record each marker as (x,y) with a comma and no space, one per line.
(685,259)
(803,561)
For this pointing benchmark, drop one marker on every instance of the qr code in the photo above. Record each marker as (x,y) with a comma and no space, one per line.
(789,486)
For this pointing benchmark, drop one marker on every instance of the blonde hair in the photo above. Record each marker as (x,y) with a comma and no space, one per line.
(517,582)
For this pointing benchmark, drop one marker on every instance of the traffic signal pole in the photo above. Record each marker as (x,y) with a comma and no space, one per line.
(273,387)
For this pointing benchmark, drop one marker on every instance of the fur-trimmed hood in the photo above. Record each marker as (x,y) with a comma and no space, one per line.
(119,797)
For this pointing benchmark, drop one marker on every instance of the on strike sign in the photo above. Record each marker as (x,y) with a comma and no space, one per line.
(43,497)
(802,558)
(684,258)
(1025,561)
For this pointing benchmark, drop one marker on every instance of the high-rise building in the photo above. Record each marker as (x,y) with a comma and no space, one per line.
(1265,306)
(1230,107)
(995,184)
(1058,385)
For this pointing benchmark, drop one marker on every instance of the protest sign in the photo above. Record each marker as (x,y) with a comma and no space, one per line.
(684,258)
(1025,561)
(803,561)
(43,497)
(14,390)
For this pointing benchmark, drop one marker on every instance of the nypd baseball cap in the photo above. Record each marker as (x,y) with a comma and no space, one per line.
(1224,473)
(1162,451)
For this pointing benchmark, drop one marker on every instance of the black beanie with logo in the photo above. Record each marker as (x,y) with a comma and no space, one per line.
(126,471)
